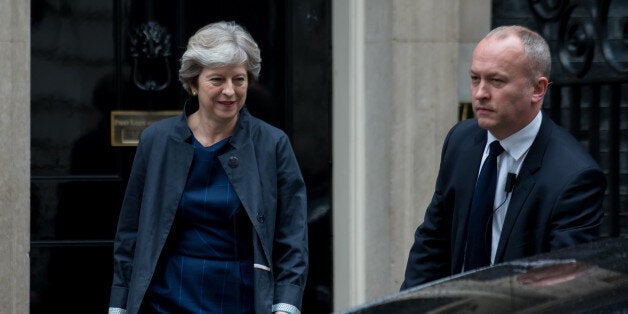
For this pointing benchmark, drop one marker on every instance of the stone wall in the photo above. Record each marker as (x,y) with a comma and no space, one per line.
(400,71)
(15,155)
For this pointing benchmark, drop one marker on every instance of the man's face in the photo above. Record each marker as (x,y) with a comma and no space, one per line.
(502,92)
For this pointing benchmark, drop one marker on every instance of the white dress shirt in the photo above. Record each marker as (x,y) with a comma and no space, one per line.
(516,148)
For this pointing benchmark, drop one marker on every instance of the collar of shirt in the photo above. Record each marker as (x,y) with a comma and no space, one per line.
(516,147)
(518,144)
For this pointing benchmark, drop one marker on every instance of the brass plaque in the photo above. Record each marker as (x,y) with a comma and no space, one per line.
(126,126)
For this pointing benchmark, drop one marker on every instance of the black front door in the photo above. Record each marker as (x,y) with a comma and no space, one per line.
(94,60)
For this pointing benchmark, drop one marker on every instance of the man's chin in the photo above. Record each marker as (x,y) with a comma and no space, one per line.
(485,123)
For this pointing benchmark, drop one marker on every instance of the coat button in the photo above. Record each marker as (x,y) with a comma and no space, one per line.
(260,218)
(233,161)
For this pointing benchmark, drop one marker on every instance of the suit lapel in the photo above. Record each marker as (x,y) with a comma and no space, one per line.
(525,184)
(465,185)
(178,156)
(241,167)
(240,164)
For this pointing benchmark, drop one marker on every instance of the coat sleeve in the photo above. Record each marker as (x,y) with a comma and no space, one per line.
(430,255)
(290,247)
(124,242)
(578,213)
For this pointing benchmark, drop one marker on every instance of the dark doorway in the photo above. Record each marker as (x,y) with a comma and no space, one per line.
(88,60)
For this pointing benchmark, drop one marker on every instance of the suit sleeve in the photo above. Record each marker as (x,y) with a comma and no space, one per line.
(290,250)
(430,255)
(577,215)
(124,242)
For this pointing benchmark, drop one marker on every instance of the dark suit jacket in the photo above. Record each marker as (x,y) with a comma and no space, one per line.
(556,202)
(264,172)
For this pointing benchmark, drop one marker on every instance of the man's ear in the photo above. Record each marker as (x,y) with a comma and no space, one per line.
(540,88)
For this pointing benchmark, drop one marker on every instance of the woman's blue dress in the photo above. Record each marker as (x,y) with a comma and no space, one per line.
(206,266)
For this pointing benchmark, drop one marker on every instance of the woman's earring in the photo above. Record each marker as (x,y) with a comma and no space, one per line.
(193,93)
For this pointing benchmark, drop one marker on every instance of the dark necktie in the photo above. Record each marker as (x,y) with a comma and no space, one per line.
(479,229)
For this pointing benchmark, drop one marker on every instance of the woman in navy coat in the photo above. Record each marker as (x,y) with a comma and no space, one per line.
(214,215)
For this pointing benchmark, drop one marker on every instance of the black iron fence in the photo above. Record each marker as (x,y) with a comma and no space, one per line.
(589,91)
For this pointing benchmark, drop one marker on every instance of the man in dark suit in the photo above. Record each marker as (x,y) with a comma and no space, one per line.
(548,191)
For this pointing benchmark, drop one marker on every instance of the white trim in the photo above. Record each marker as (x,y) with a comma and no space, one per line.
(116,310)
(262,267)
(285,307)
(348,152)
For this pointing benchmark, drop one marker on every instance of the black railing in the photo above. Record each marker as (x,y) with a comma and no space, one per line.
(589,92)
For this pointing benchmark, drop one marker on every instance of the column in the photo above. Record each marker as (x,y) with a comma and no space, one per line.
(398,80)
(15,156)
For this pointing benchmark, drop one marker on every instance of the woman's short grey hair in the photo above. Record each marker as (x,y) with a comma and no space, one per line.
(536,50)
(216,45)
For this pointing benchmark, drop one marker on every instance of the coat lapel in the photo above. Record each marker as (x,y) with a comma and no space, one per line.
(241,167)
(525,184)
(465,185)
(178,155)
(240,164)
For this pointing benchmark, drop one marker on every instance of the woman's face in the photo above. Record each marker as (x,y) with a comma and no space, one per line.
(222,91)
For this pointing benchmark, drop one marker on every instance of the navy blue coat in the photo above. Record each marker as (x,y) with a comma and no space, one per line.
(264,173)
(556,202)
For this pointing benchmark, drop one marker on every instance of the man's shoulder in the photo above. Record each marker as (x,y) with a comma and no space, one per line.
(563,146)
(465,128)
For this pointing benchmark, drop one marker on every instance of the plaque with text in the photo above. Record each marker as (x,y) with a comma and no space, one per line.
(126,126)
